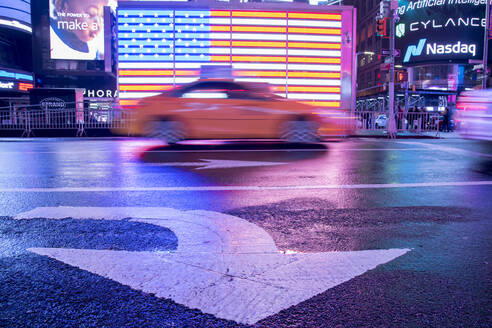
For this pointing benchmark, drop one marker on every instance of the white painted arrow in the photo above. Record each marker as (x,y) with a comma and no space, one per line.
(218,164)
(223,265)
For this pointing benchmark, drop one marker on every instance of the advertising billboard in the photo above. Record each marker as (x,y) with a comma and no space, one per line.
(16,14)
(300,54)
(77,29)
(446,31)
(15,80)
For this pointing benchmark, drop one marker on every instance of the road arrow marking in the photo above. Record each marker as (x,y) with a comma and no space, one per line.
(217,164)
(224,265)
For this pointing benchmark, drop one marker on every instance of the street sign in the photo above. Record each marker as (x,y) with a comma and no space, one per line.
(396,53)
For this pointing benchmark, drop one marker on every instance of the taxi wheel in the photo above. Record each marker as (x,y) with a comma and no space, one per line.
(302,131)
(169,131)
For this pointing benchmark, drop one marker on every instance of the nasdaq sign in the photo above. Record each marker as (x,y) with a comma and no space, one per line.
(431,31)
(436,49)
(414,50)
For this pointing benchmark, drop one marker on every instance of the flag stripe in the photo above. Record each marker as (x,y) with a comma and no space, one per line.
(158,72)
(314,23)
(133,95)
(293,81)
(333,104)
(321,96)
(293,88)
(314,30)
(267,14)
(220,13)
(335,75)
(259,21)
(275,44)
(145,87)
(337,17)
(129,102)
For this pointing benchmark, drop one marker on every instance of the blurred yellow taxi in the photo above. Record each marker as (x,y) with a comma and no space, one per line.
(224,109)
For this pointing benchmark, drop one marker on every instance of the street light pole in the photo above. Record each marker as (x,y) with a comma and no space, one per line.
(391,91)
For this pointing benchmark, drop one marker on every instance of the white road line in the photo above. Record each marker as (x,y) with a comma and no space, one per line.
(253,188)
(75,152)
(283,150)
(448,149)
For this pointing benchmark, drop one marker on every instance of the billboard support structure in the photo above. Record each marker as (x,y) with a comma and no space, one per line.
(486,44)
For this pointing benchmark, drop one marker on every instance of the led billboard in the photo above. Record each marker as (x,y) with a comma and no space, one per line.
(299,54)
(77,29)
(440,31)
(16,14)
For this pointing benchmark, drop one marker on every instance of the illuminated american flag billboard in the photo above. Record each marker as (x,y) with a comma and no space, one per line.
(297,53)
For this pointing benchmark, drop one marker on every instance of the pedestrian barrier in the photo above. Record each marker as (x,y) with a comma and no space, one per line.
(415,122)
(80,118)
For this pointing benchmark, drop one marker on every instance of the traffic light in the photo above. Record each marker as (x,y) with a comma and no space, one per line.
(382,28)
(401,76)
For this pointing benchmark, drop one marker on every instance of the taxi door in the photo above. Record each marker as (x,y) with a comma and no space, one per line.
(258,116)
(208,111)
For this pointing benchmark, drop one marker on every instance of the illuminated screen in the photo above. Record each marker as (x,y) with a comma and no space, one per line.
(77,29)
(16,14)
(297,53)
(440,31)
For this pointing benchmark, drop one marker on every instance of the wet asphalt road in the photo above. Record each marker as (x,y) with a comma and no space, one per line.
(431,196)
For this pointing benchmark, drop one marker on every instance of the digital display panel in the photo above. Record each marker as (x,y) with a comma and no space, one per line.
(440,31)
(297,53)
(77,29)
(16,14)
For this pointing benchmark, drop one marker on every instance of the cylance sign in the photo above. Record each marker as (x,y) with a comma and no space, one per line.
(440,30)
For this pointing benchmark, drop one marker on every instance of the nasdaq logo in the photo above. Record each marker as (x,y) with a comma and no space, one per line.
(458,48)
(414,50)
(400,30)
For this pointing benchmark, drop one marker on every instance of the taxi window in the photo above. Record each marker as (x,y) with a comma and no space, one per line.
(209,90)
(238,91)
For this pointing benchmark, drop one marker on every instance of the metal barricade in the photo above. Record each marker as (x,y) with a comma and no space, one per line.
(415,122)
(27,119)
